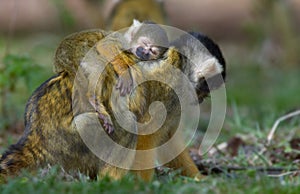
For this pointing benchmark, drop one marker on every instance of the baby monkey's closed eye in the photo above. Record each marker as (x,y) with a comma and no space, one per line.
(149,52)
(144,42)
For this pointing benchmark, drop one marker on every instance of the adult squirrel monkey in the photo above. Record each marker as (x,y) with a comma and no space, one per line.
(50,136)
(124,11)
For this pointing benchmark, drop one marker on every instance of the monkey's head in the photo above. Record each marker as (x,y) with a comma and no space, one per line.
(204,61)
(148,41)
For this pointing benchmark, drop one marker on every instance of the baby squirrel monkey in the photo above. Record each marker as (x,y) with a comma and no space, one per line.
(145,40)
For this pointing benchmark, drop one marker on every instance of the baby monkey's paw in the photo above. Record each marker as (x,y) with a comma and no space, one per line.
(107,123)
(102,114)
(125,83)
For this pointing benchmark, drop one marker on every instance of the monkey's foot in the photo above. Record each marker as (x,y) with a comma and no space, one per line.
(107,124)
(102,114)
(125,83)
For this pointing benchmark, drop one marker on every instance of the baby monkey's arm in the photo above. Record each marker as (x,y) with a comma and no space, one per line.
(112,51)
(121,64)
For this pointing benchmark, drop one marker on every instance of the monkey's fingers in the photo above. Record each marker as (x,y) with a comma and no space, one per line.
(107,124)
(119,84)
(126,89)
(125,84)
(108,128)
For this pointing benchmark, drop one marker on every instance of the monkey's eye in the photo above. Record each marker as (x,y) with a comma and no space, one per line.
(154,50)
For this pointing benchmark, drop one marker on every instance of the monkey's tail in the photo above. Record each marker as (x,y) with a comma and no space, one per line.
(14,159)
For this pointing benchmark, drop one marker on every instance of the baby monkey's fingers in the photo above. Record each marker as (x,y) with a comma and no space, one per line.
(107,124)
(125,83)
(108,128)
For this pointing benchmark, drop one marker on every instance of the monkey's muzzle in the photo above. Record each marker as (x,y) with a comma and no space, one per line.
(143,53)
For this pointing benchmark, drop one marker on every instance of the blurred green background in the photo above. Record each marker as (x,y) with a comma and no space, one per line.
(259,40)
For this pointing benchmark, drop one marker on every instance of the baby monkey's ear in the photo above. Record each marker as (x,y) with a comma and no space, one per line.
(132,30)
(136,22)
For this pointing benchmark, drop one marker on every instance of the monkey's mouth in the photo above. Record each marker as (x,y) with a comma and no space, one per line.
(142,53)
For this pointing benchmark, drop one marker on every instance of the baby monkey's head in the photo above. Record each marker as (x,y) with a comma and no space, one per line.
(148,40)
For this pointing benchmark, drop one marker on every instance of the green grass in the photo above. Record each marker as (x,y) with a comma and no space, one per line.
(257,96)
(247,182)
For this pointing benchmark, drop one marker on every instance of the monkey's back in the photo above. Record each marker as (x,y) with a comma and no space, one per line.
(125,11)
(74,47)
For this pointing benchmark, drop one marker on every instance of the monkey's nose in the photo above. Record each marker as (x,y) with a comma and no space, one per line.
(142,53)
(140,50)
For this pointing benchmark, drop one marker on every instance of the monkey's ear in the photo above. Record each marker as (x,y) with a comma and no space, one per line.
(208,68)
(131,31)
(136,22)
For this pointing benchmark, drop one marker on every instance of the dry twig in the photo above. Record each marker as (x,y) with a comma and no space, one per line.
(285,117)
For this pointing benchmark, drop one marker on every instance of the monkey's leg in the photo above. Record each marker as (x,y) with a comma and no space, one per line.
(145,161)
(113,172)
(185,163)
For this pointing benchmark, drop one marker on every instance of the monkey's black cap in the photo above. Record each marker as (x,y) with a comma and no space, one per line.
(216,81)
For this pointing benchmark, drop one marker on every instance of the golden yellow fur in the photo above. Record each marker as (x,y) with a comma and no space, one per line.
(51,138)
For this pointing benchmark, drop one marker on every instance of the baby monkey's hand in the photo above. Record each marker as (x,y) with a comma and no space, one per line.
(125,83)
(102,115)
(107,123)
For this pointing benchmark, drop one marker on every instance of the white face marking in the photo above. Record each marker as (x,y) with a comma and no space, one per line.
(143,42)
(147,50)
(204,69)
(202,64)
(152,50)
(208,68)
